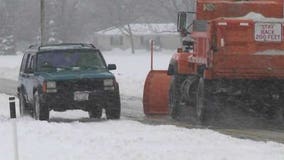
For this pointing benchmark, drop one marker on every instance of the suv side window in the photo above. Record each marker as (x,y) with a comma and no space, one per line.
(27,63)
(31,62)
(24,63)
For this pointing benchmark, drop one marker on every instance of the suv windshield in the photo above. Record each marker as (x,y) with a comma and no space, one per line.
(56,61)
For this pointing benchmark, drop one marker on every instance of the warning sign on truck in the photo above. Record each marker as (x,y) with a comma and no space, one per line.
(268,32)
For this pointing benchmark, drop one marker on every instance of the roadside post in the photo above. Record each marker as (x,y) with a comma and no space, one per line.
(12,107)
(14,125)
(152,52)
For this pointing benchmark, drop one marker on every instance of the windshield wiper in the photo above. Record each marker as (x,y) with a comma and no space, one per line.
(92,67)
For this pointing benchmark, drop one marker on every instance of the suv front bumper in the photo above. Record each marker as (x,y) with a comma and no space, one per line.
(65,101)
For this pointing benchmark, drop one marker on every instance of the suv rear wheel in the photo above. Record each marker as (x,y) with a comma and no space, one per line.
(40,111)
(24,111)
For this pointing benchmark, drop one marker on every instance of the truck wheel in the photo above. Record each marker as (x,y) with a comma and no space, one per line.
(173,100)
(113,111)
(282,115)
(40,112)
(199,106)
(23,106)
(279,115)
(281,108)
(175,96)
(95,112)
(172,105)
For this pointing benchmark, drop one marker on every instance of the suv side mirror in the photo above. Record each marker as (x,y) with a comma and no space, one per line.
(184,21)
(111,67)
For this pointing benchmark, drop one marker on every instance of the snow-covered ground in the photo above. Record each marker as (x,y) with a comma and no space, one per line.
(133,68)
(123,139)
(9,66)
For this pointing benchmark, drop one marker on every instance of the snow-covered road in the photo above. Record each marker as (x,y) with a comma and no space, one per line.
(71,135)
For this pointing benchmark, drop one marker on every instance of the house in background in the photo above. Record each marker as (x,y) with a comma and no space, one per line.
(165,37)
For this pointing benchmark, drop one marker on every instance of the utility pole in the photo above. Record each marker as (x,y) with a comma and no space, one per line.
(42,21)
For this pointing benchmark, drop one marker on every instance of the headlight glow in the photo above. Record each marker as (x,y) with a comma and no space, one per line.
(108,82)
(51,84)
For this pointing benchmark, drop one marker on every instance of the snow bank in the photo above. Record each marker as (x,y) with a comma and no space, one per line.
(257,17)
(253,15)
(127,140)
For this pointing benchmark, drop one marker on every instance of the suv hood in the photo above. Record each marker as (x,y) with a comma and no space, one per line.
(57,76)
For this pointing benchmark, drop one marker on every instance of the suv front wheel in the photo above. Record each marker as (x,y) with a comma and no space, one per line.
(112,113)
(95,112)
(40,111)
(113,110)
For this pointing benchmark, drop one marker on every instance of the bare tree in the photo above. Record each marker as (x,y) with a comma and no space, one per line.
(121,14)
(174,6)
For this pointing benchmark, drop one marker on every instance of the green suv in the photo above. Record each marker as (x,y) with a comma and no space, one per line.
(67,76)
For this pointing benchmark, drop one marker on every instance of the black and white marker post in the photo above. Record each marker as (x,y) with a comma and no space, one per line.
(12,107)
(14,124)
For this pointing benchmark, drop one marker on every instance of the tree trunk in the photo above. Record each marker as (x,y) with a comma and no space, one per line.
(131,39)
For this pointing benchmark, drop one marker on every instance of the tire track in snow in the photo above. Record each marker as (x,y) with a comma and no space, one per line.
(132,108)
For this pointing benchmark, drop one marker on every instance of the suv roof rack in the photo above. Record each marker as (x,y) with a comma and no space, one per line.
(33,46)
(65,46)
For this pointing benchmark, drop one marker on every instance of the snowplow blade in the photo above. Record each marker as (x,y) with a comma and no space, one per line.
(156,93)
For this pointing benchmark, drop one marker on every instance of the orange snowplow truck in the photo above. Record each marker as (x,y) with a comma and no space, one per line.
(232,55)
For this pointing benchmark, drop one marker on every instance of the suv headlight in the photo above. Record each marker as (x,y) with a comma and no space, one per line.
(108,82)
(50,84)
